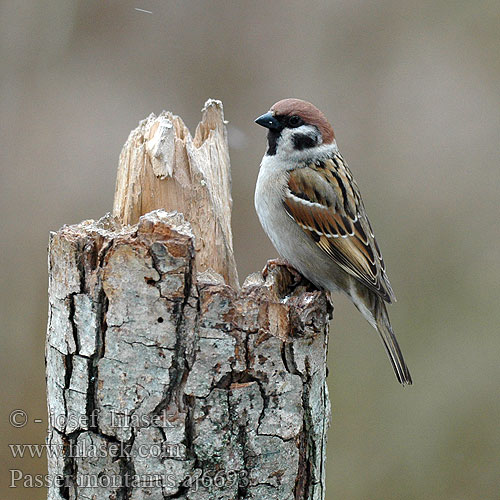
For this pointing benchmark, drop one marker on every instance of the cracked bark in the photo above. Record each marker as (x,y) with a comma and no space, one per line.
(164,378)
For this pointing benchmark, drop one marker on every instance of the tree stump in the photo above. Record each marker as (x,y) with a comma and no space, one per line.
(164,378)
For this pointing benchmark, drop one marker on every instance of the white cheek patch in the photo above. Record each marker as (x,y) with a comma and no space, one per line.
(286,143)
(286,150)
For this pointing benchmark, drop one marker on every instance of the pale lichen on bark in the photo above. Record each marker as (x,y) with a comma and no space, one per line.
(166,380)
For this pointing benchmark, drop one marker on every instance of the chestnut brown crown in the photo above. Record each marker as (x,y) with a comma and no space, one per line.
(308,112)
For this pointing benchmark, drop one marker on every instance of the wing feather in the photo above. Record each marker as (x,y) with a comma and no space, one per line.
(324,200)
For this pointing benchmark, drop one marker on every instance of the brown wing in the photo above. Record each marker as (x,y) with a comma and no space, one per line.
(324,200)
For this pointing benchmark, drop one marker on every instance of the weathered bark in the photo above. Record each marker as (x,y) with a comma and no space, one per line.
(164,381)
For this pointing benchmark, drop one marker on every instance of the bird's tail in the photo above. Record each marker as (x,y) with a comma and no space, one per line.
(391,345)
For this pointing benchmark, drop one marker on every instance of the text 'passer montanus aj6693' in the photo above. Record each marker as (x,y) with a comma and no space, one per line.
(310,207)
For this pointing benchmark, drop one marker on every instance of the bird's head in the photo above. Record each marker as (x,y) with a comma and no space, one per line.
(297,129)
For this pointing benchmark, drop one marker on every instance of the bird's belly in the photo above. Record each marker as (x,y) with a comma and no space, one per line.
(296,246)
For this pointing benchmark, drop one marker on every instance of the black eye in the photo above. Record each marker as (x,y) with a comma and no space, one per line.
(295,121)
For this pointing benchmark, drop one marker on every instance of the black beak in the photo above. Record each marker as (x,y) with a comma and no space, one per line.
(267,120)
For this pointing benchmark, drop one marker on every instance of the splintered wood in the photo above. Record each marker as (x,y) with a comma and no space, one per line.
(162,166)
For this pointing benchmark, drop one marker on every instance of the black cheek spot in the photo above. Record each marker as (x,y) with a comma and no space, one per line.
(302,141)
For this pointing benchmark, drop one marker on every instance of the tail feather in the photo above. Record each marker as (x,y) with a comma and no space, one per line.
(391,345)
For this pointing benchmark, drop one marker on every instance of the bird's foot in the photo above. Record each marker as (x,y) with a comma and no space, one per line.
(274,263)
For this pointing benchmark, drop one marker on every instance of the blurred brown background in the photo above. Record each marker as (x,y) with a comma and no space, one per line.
(412,89)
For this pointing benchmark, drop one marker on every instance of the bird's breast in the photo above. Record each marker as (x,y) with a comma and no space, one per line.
(290,240)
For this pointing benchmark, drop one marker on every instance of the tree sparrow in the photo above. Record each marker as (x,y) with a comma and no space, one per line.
(310,207)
